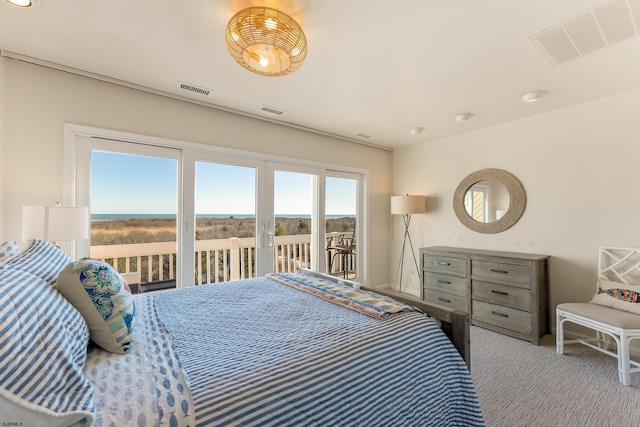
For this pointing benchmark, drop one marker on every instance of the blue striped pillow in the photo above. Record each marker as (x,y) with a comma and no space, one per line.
(41,259)
(8,249)
(43,348)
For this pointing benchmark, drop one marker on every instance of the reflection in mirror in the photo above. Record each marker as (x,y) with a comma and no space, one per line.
(486,201)
(489,201)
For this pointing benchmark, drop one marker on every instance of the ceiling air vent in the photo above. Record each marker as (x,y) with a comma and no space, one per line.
(270,110)
(194,88)
(599,27)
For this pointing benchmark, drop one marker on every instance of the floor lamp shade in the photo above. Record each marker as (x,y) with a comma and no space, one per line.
(407,205)
(55,223)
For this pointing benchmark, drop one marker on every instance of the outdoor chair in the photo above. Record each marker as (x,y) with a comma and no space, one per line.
(345,249)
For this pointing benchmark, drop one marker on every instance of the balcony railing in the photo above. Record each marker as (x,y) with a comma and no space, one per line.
(217,260)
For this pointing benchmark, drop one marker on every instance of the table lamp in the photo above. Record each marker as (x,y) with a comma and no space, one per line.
(55,223)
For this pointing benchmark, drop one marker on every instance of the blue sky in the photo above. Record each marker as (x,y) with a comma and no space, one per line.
(142,185)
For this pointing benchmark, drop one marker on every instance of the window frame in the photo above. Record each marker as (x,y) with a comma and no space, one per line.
(190,152)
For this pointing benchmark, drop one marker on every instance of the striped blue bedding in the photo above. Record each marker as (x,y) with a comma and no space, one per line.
(260,353)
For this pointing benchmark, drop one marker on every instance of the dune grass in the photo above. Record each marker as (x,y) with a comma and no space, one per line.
(129,231)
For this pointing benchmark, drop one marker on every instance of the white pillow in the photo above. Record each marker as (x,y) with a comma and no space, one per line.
(43,348)
(603,298)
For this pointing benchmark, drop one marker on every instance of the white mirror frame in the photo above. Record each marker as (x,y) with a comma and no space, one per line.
(517,201)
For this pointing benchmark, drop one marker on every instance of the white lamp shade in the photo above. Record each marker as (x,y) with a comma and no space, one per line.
(407,205)
(55,223)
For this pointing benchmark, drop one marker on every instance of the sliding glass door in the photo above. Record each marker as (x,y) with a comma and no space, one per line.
(251,217)
(197,216)
(294,220)
(341,202)
(133,196)
(225,222)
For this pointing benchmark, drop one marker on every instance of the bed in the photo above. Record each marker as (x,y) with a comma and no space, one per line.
(297,349)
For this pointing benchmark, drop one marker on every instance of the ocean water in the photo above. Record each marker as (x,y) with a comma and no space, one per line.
(111,217)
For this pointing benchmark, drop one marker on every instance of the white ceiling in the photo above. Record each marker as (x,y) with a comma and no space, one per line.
(374,67)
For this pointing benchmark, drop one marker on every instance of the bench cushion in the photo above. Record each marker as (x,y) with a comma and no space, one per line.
(611,316)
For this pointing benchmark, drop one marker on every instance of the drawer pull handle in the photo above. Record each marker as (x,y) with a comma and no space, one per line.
(499,292)
(444,300)
(444,282)
(499,314)
(499,271)
(444,263)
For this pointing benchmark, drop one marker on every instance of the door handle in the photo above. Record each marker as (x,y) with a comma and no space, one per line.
(261,238)
(270,238)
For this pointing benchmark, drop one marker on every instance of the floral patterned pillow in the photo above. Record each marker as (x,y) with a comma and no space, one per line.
(8,249)
(103,298)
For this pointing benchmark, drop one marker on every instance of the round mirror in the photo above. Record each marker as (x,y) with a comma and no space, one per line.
(489,201)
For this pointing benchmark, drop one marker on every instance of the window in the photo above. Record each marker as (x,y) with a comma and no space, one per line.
(236,215)
(133,201)
(476,202)
(341,219)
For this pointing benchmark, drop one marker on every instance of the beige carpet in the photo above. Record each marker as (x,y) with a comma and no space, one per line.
(520,384)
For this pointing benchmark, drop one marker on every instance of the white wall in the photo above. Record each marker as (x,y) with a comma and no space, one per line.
(579,169)
(38,101)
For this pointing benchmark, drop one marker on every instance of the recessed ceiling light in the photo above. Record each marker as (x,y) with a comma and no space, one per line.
(416,130)
(25,3)
(534,95)
(463,117)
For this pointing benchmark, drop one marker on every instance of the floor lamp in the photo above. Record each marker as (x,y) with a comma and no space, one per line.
(406,206)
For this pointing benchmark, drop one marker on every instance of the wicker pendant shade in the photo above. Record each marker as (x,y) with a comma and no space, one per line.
(266,41)
(25,3)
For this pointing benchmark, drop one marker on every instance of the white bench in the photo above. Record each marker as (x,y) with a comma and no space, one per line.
(621,265)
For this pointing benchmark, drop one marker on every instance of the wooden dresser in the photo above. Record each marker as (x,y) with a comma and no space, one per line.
(506,292)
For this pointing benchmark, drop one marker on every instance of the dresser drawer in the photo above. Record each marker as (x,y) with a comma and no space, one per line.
(513,274)
(445,264)
(452,301)
(508,296)
(444,283)
(503,317)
